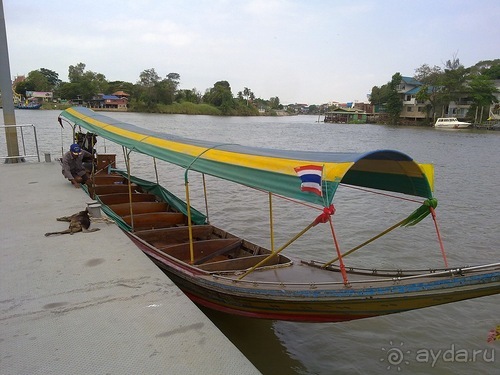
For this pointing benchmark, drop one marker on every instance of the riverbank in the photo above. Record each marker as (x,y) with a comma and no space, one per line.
(185,108)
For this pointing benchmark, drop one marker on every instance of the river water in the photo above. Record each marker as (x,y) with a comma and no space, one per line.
(450,339)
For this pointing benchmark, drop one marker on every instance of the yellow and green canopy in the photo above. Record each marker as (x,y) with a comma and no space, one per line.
(267,169)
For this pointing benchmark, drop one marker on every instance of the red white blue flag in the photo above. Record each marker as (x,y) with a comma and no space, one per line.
(310,175)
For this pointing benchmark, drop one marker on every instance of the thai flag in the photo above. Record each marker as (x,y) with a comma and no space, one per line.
(310,176)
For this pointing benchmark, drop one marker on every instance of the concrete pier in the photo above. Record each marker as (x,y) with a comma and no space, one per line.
(90,303)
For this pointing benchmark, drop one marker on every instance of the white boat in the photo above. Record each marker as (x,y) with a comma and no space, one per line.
(451,123)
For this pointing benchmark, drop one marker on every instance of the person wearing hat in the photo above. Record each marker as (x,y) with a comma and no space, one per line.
(72,165)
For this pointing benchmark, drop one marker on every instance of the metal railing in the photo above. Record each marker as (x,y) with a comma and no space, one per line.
(37,155)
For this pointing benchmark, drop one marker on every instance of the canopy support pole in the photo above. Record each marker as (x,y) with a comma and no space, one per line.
(186,184)
(443,253)
(190,225)
(205,196)
(271,224)
(156,171)
(339,255)
(322,218)
(127,162)
(279,250)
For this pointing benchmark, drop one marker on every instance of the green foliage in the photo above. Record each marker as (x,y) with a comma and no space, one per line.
(148,78)
(151,93)
(482,90)
(274,102)
(83,84)
(488,68)
(440,86)
(453,80)
(192,96)
(482,93)
(394,104)
(220,96)
(152,90)
(51,76)
(379,95)
(24,86)
(188,108)
(38,80)
(75,72)
(127,87)
(69,91)
(388,95)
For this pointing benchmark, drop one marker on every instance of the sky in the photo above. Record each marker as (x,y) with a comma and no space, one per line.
(309,51)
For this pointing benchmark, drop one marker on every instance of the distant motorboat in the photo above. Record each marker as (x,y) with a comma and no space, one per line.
(451,123)
(30,105)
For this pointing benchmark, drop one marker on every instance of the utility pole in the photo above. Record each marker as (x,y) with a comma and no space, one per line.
(9,116)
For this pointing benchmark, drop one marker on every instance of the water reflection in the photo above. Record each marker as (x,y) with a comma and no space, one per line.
(257,339)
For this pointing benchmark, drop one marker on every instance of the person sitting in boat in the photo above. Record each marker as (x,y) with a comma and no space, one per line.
(72,165)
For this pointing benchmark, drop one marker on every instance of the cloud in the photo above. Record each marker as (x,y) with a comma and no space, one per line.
(301,51)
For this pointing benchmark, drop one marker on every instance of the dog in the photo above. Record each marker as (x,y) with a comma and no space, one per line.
(79,222)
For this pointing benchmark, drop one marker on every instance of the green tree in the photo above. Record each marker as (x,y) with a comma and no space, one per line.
(154,90)
(84,84)
(37,80)
(274,103)
(488,68)
(247,94)
(388,98)
(430,92)
(394,104)
(24,86)
(379,95)
(68,90)
(127,87)
(148,79)
(167,88)
(453,81)
(220,96)
(428,75)
(52,77)
(192,96)
(75,72)
(482,92)
(313,109)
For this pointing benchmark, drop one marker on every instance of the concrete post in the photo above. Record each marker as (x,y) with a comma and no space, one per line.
(9,116)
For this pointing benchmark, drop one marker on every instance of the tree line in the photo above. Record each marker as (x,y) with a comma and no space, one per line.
(151,93)
(440,86)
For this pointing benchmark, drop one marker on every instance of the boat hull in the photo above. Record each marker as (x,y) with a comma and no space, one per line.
(334,302)
(451,123)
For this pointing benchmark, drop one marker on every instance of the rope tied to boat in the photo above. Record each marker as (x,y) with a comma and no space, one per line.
(324,217)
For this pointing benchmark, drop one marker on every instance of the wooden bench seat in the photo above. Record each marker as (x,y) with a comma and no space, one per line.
(108,179)
(112,189)
(111,199)
(156,220)
(238,264)
(204,251)
(175,235)
(123,209)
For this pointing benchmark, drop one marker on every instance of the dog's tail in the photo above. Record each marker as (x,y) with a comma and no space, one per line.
(56,233)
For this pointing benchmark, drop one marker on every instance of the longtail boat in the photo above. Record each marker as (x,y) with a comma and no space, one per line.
(222,271)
